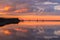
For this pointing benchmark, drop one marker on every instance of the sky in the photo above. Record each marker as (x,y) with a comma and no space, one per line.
(30,7)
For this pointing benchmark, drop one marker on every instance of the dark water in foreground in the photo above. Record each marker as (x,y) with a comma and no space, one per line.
(31,31)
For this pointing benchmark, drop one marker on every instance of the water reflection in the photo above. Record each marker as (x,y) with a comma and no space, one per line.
(39,23)
(29,30)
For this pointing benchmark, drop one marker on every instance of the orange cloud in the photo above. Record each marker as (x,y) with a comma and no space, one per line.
(21,10)
(3,12)
(6,8)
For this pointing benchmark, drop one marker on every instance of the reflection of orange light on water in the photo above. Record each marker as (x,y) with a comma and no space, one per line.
(37,17)
(7,32)
(6,8)
(22,30)
(38,23)
(22,10)
(17,29)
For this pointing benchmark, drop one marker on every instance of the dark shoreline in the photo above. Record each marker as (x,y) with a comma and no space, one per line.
(5,21)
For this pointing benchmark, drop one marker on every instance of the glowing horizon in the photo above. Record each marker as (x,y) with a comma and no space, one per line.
(33,17)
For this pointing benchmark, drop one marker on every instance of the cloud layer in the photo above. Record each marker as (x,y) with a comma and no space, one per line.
(21,7)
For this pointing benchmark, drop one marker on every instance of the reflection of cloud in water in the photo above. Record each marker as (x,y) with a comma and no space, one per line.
(28,32)
(12,34)
(57,32)
(6,32)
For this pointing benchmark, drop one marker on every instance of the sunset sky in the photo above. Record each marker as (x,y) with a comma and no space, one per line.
(30,7)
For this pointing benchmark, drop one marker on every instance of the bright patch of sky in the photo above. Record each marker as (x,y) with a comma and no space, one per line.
(57,7)
(47,3)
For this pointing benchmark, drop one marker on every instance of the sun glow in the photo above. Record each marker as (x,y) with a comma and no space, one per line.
(6,8)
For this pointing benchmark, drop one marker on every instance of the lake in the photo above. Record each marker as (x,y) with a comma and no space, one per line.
(31,30)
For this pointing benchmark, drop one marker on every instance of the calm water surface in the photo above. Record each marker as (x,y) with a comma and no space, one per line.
(31,30)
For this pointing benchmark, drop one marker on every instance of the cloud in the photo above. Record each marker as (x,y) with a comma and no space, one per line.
(57,7)
(17,7)
(47,3)
(57,32)
(21,10)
